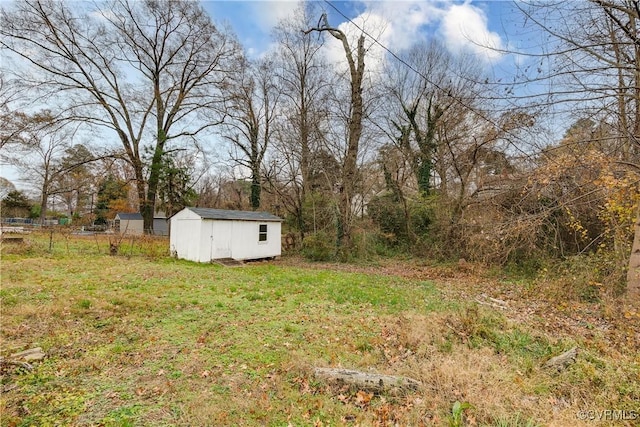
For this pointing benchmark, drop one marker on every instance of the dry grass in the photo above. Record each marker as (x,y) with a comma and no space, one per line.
(141,339)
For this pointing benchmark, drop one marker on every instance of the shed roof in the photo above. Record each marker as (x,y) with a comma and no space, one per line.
(129,216)
(223,214)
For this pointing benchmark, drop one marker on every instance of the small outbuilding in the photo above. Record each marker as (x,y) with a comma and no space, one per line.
(202,235)
(160,225)
(128,223)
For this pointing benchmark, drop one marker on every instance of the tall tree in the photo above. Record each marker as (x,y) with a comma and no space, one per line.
(422,94)
(300,72)
(15,204)
(144,70)
(175,190)
(37,152)
(251,113)
(112,198)
(75,185)
(355,61)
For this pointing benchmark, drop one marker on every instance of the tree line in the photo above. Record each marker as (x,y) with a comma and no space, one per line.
(419,150)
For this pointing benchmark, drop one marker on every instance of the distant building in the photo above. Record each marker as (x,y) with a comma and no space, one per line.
(160,225)
(128,223)
(202,235)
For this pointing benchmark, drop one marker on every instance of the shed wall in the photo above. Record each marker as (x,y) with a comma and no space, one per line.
(184,239)
(202,240)
(245,244)
(160,227)
(133,226)
(221,242)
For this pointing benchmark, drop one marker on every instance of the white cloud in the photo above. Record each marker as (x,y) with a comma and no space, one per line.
(399,24)
(373,24)
(465,27)
(405,20)
(395,24)
(267,14)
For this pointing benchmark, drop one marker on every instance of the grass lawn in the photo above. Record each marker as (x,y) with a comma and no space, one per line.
(139,340)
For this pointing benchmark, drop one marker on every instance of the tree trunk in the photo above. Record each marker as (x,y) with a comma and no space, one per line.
(256,189)
(561,362)
(305,160)
(349,168)
(149,202)
(633,274)
(43,206)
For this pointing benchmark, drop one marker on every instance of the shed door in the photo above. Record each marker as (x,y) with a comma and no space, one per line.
(220,239)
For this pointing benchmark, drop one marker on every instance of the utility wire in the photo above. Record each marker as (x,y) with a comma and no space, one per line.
(382,46)
(436,85)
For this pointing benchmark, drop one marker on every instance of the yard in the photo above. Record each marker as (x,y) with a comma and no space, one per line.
(141,339)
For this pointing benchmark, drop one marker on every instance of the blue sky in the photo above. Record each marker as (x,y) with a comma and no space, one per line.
(460,25)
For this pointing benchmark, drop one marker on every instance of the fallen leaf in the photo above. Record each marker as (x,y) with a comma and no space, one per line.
(363,398)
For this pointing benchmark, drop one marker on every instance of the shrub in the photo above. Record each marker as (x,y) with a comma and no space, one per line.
(318,247)
(389,216)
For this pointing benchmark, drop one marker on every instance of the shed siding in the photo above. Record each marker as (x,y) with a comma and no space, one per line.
(184,239)
(131,227)
(203,239)
(160,227)
(245,240)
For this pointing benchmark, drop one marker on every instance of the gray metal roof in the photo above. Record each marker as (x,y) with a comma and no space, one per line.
(207,213)
(129,216)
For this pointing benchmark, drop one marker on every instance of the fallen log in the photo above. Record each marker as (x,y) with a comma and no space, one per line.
(33,354)
(373,382)
(6,363)
(484,299)
(563,360)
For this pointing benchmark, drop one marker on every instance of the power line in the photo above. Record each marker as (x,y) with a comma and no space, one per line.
(382,46)
(436,85)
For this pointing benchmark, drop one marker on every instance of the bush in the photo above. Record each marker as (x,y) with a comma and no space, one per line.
(318,247)
(587,277)
(388,215)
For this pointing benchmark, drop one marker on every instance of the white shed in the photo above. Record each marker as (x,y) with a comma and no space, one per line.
(202,235)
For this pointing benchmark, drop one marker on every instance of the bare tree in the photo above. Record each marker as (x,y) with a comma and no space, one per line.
(347,186)
(300,72)
(37,152)
(13,122)
(419,84)
(595,70)
(251,113)
(143,70)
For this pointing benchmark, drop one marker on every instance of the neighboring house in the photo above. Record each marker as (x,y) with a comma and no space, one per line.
(202,235)
(128,223)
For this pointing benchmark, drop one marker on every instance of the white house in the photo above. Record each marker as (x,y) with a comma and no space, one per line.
(202,235)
